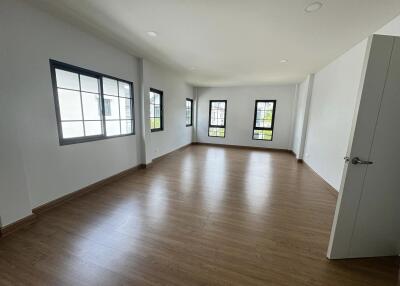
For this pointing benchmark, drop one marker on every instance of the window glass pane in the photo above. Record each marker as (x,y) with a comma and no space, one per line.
(125,106)
(188,112)
(90,84)
(72,129)
(268,135)
(91,106)
(67,79)
(126,126)
(217,113)
(155,111)
(216,132)
(157,99)
(124,89)
(151,110)
(157,123)
(211,132)
(110,86)
(93,128)
(263,135)
(113,128)
(261,105)
(70,104)
(111,107)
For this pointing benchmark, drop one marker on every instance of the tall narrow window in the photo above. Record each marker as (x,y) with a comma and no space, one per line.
(264,117)
(189,112)
(89,105)
(156,110)
(217,118)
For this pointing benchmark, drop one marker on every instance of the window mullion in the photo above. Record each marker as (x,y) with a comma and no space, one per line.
(119,109)
(80,95)
(102,114)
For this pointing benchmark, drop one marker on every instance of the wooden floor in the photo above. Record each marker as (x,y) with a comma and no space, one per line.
(202,216)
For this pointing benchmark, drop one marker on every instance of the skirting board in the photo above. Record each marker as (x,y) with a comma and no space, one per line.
(244,147)
(8,229)
(4,231)
(165,155)
(47,206)
(330,188)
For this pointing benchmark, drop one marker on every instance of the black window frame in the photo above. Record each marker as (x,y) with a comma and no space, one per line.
(191,112)
(217,126)
(272,122)
(161,93)
(54,64)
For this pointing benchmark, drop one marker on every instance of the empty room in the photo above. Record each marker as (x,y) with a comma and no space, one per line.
(200,142)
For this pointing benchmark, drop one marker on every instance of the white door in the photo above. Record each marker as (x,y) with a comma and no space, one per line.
(367,217)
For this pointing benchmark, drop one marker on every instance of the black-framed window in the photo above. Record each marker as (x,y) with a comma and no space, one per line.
(189,112)
(90,105)
(156,110)
(264,117)
(217,118)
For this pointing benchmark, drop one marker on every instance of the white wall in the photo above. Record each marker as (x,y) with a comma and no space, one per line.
(14,198)
(391,29)
(175,92)
(35,169)
(304,93)
(240,114)
(31,38)
(332,108)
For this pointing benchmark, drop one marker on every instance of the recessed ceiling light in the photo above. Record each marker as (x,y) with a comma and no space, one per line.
(315,6)
(284,61)
(152,34)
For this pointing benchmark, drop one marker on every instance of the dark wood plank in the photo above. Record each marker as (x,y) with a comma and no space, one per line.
(205,215)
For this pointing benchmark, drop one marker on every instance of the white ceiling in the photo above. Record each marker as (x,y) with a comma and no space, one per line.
(231,42)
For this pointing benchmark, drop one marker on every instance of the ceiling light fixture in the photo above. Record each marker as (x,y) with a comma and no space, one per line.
(284,61)
(315,6)
(192,68)
(152,34)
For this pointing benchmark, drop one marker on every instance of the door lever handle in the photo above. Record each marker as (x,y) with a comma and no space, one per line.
(358,161)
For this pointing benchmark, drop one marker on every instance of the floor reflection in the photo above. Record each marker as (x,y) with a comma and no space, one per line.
(214,176)
(156,203)
(258,181)
(202,216)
